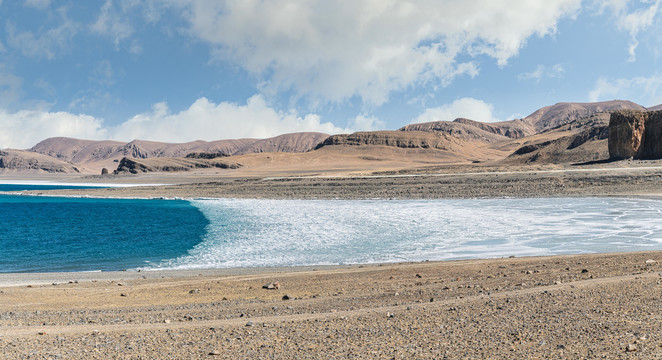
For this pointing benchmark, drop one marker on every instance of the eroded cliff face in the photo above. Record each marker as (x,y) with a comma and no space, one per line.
(635,134)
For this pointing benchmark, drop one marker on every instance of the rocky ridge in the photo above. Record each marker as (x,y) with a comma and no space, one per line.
(136,166)
(409,140)
(12,160)
(561,133)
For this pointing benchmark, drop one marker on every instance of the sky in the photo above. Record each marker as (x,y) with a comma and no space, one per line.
(184,70)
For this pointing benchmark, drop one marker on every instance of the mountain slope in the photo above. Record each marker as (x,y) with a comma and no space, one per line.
(21,161)
(97,154)
(475,130)
(563,113)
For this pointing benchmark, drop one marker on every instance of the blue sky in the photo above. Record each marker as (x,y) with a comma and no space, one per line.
(182,70)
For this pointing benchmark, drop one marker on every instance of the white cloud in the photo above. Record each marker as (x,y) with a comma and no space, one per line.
(634,21)
(334,50)
(204,120)
(47,44)
(644,90)
(25,128)
(112,23)
(467,107)
(366,123)
(541,71)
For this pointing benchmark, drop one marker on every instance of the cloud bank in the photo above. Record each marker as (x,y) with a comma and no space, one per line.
(469,108)
(203,120)
(335,50)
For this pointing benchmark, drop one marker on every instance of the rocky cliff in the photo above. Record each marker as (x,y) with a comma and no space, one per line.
(635,134)
(135,166)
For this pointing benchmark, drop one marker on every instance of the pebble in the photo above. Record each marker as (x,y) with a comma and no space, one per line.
(286,297)
(214,352)
(650,262)
(250,323)
(631,348)
(272,286)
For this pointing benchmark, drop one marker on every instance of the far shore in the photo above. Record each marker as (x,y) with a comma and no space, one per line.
(451,182)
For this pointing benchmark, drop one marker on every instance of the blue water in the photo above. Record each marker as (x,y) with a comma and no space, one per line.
(44,234)
(70,234)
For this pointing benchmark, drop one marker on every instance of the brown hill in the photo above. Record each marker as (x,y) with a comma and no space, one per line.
(288,143)
(21,161)
(475,130)
(563,113)
(95,155)
(409,140)
(564,132)
(585,146)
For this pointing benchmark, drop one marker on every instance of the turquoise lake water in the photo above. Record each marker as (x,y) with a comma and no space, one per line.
(44,234)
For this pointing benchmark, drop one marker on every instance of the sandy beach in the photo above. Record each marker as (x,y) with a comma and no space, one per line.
(571,306)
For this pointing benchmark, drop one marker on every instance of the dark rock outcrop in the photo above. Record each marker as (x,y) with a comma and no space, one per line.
(202,155)
(135,166)
(400,139)
(635,134)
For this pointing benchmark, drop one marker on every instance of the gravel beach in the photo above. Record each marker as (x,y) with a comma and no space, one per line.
(575,306)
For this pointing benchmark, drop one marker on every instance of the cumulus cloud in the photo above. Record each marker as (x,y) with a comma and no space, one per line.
(204,120)
(467,107)
(645,90)
(25,128)
(335,50)
(366,123)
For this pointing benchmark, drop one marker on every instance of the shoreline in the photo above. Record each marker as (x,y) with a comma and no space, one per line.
(62,277)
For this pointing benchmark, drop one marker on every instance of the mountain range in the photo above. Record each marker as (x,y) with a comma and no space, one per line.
(564,132)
